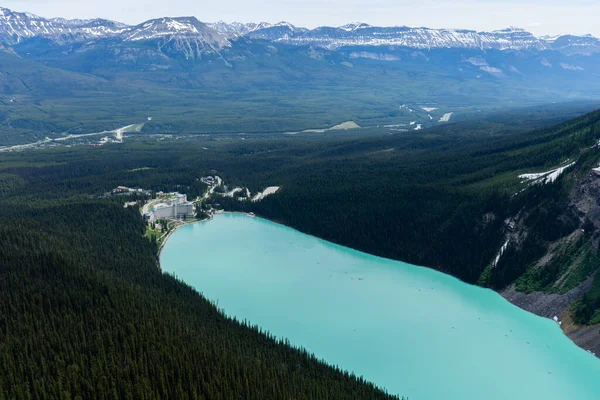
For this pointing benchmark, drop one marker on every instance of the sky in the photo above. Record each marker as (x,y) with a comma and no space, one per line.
(542,17)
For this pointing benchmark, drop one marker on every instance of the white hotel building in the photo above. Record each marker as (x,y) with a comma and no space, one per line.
(175,208)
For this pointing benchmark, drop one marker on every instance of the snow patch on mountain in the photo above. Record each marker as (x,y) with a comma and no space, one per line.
(446,117)
(546,177)
(234,29)
(477,61)
(490,70)
(72,23)
(374,56)
(570,67)
(550,39)
(353,26)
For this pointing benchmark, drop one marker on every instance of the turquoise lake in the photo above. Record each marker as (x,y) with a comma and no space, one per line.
(411,330)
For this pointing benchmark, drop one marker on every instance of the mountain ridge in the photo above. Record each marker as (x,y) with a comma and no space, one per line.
(16,27)
(265,71)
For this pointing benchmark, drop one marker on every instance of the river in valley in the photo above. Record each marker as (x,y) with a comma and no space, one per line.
(411,330)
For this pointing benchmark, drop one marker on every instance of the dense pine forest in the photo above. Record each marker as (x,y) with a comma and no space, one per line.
(426,201)
(85,311)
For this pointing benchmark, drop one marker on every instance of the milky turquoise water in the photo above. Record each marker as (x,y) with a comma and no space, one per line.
(409,329)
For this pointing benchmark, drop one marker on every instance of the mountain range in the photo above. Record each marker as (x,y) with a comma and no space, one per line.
(16,27)
(84,75)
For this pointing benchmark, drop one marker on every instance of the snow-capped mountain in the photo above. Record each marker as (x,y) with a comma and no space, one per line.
(234,29)
(353,26)
(281,31)
(360,34)
(16,26)
(263,30)
(569,44)
(192,37)
(184,35)
(173,27)
(102,27)
(71,23)
(237,29)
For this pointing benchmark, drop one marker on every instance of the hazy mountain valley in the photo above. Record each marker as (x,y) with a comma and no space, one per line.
(62,77)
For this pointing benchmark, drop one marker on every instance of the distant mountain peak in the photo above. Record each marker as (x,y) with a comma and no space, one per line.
(233,29)
(15,27)
(549,38)
(70,22)
(165,26)
(285,24)
(5,11)
(264,25)
(512,29)
(354,26)
(18,15)
(101,21)
(186,35)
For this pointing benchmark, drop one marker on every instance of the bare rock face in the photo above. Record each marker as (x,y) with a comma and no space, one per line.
(584,205)
(547,305)
(586,198)
(556,306)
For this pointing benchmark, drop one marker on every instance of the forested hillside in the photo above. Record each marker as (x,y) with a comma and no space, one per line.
(85,312)
(422,201)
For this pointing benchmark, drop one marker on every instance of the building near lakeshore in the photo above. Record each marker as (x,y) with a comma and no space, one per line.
(174,207)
